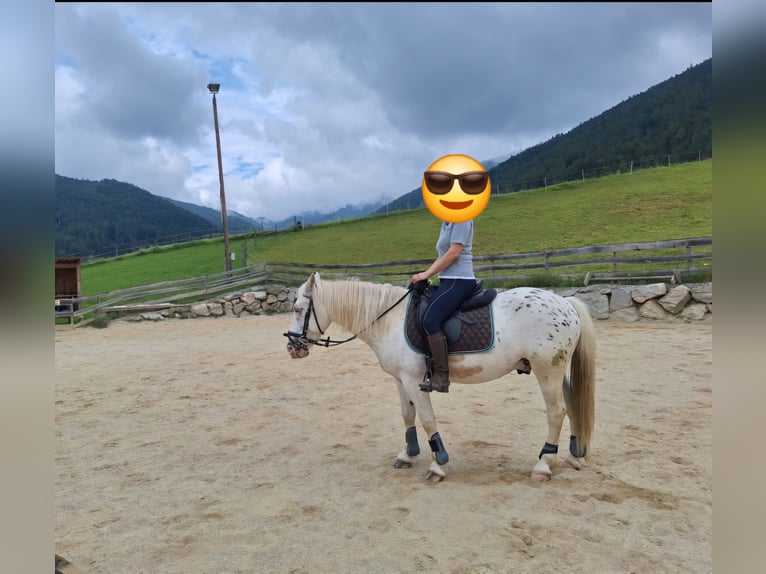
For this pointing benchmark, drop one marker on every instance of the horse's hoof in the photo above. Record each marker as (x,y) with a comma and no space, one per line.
(402,464)
(541,476)
(572,462)
(434,477)
(435,473)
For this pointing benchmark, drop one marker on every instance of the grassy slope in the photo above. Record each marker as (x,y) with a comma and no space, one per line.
(649,205)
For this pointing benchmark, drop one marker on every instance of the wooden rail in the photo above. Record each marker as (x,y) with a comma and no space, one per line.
(177,294)
(666,260)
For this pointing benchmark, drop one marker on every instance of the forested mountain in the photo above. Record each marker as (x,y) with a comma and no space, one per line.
(236,222)
(95,215)
(672,118)
(109,217)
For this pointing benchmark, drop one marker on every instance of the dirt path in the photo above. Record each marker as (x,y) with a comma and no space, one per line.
(200,446)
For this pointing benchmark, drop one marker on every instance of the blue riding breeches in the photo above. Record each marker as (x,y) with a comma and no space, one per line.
(448,298)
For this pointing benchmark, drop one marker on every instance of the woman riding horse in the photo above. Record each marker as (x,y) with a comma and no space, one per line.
(454,265)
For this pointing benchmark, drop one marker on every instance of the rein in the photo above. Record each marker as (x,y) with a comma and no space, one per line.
(301,340)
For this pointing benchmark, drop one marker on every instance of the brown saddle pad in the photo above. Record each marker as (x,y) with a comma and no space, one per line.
(477,333)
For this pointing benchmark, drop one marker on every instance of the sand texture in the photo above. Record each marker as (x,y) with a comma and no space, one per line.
(199,446)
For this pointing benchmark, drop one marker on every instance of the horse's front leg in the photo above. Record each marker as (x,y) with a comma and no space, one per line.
(412,448)
(420,402)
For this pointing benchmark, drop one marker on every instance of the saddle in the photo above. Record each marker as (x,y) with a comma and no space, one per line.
(470,329)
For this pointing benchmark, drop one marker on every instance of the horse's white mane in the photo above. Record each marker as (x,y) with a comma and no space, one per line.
(355,305)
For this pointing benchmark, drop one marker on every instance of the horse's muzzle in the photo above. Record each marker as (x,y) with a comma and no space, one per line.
(297,352)
(297,346)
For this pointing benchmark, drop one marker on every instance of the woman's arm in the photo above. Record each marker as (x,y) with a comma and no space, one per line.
(441,263)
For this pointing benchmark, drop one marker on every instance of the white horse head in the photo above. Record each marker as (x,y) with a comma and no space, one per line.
(309,323)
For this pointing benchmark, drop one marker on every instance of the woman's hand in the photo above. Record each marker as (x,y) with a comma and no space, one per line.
(419,277)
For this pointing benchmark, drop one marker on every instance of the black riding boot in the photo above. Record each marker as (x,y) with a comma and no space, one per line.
(439,381)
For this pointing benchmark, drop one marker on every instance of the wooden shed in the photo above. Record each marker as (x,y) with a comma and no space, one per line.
(68,278)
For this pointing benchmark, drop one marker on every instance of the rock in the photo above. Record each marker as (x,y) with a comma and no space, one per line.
(216,309)
(652,310)
(598,304)
(676,299)
(643,293)
(620,299)
(702,296)
(694,312)
(238,307)
(153,316)
(200,309)
(629,315)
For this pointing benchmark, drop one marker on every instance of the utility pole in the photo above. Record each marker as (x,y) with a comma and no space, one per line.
(224,217)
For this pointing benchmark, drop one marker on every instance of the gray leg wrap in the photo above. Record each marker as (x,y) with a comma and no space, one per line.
(411,436)
(573,448)
(437,446)
(549,448)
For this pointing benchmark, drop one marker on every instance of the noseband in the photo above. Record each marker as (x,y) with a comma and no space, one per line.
(301,341)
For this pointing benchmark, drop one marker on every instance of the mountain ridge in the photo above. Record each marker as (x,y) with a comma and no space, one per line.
(672,117)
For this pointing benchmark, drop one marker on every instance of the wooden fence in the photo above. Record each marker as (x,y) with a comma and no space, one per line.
(179,294)
(670,260)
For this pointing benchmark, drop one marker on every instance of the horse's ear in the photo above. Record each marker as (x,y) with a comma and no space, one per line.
(313,280)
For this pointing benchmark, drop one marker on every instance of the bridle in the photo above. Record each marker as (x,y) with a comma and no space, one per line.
(301,341)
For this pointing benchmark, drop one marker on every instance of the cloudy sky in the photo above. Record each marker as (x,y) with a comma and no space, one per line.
(323,105)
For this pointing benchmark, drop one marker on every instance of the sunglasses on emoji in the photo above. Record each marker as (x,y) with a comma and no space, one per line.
(471,182)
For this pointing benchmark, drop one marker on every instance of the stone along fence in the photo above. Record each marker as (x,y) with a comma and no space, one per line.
(265,299)
(654,302)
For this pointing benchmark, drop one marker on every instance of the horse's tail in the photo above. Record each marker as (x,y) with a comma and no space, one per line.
(583,379)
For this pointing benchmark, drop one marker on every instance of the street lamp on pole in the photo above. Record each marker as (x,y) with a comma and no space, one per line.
(227,257)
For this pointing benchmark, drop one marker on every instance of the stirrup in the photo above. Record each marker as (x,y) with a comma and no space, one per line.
(426,386)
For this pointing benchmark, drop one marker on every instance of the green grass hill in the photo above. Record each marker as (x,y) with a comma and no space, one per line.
(649,205)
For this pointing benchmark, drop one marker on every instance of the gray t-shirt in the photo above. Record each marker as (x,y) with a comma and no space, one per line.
(461,233)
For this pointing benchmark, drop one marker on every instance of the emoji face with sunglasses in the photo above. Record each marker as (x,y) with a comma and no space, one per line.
(456,188)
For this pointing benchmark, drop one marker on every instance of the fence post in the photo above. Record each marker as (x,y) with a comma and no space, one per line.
(689,262)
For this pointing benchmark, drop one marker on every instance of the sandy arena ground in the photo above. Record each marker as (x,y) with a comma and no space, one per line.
(200,446)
